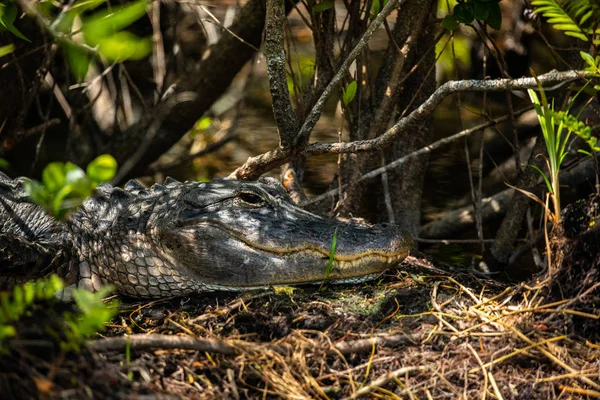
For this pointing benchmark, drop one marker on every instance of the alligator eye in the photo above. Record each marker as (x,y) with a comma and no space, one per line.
(251,198)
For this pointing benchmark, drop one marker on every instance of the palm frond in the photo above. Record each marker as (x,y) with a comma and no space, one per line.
(577,18)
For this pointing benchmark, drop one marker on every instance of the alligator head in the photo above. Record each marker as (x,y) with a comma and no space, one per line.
(223,235)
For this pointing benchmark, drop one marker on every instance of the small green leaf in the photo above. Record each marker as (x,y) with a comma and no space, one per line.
(3,164)
(28,293)
(464,13)
(104,23)
(6,50)
(494,20)
(203,123)
(57,201)
(481,10)
(124,45)
(102,169)
(450,23)
(7,331)
(577,35)
(8,14)
(323,6)
(73,173)
(543,176)
(375,8)
(54,176)
(331,261)
(587,57)
(78,61)
(349,92)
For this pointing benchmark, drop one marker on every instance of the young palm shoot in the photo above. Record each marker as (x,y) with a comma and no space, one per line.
(556,135)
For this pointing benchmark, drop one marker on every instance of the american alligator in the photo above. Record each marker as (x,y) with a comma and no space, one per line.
(179,238)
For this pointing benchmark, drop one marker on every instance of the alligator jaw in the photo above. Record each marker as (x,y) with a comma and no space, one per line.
(237,262)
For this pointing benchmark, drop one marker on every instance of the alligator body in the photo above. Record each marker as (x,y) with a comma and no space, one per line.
(179,238)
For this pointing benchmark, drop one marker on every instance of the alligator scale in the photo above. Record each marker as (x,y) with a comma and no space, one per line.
(179,238)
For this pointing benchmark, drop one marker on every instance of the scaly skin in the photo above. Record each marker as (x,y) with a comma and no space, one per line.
(180,238)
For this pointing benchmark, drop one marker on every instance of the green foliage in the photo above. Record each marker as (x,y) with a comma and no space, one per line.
(557,128)
(304,74)
(331,261)
(203,123)
(92,316)
(348,93)
(102,169)
(103,31)
(376,6)
(16,304)
(448,56)
(467,11)
(576,18)
(3,163)
(449,22)
(577,127)
(8,14)
(64,186)
(6,50)
(593,63)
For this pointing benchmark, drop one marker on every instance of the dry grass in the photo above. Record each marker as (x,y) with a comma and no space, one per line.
(431,337)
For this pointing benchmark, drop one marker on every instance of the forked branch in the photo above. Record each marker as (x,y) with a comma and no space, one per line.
(256,166)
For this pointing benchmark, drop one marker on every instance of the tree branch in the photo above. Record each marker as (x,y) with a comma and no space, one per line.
(208,82)
(424,150)
(285,116)
(256,166)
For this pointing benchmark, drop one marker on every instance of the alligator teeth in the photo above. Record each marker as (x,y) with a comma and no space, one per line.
(390,260)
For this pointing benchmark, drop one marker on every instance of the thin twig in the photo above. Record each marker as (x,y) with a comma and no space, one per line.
(385,379)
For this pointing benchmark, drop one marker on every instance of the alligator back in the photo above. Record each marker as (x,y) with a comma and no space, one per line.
(32,242)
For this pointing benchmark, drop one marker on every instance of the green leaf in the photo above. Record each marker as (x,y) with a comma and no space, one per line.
(57,201)
(3,164)
(587,57)
(7,331)
(375,8)
(6,50)
(450,23)
(494,18)
(563,16)
(464,13)
(102,169)
(54,176)
(8,14)
(124,45)
(323,6)
(203,123)
(330,262)
(349,92)
(78,61)
(481,10)
(28,293)
(543,176)
(570,33)
(105,23)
